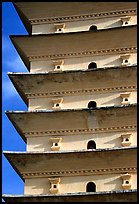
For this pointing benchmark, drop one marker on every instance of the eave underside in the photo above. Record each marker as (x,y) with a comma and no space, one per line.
(53,46)
(73,119)
(36,10)
(29,83)
(109,196)
(31,162)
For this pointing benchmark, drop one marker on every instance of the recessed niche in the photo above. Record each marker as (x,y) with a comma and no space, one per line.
(126,139)
(58,65)
(59,27)
(57,103)
(126,181)
(56,143)
(125,98)
(125,20)
(125,59)
(54,185)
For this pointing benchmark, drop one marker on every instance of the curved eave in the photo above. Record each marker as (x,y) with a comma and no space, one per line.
(19,90)
(21,53)
(27,83)
(24,18)
(84,41)
(17,127)
(106,196)
(30,162)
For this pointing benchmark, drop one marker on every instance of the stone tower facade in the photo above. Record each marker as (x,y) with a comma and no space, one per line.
(80,127)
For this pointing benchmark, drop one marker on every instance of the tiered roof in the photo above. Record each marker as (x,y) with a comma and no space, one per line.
(58,46)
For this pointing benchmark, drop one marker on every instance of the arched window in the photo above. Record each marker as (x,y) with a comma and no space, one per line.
(92,65)
(91,144)
(93,28)
(91,187)
(92,104)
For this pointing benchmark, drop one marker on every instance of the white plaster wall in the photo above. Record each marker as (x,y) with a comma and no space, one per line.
(80,63)
(83,25)
(81,101)
(75,184)
(79,141)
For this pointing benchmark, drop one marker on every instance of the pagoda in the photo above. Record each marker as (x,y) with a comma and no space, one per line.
(80,129)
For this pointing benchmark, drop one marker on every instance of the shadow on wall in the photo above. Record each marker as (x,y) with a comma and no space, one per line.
(116,24)
(116,142)
(114,63)
(116,184)
(113,102)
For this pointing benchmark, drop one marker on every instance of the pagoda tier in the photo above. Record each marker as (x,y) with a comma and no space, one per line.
(71,50)
(79,168)
(108,127)
(53,17)
(55,90)
(107,196)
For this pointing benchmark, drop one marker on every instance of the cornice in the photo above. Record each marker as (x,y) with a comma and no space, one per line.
(84,53)
(83,17)
(79,131)
(79,172)
(80,92)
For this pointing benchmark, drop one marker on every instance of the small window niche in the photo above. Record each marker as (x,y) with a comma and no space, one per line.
(126,181)
(91,187)
(54,182)
(125,20)
(91,144)
(58,65)
(125,59)
(92,65)
(57,103)
(93,28)
(125,98)
(92,104)
(59,27)
(56,143)
(126,139)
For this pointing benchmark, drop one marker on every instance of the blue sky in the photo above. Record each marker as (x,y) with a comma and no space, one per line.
(11,62)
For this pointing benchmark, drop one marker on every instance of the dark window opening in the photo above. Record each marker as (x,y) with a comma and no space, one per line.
(91,187)
(92,104)
(93,28)
(54,186)
(92,65)
(91,144)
